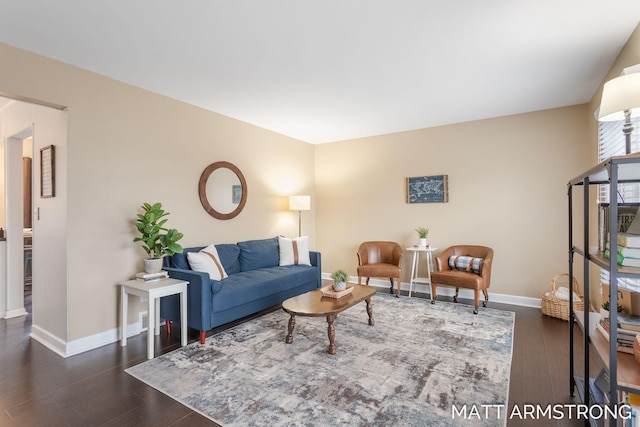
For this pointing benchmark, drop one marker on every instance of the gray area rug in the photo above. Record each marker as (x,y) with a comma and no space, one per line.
(411,368)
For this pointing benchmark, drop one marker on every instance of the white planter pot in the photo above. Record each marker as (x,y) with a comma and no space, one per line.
(339,286)
(153,265)
(423,242)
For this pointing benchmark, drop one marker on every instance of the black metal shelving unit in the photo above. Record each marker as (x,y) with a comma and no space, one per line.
(623,370)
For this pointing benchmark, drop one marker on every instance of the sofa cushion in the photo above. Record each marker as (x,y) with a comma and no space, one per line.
(229,256)
(208,261)
(466,263)
(228,252)
(252,285)
(294,251)
(255,254)
(180,260)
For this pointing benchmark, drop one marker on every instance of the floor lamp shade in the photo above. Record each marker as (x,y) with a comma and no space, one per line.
(621,101)
(620,95)
(299,203)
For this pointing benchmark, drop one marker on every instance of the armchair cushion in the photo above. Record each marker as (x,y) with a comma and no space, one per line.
(466,263)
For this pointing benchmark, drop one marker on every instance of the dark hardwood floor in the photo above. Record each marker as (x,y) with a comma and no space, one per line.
(40,388)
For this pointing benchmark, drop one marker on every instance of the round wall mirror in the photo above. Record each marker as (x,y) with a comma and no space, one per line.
(222,190)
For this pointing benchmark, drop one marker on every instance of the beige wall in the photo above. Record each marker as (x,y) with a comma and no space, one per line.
(127,146)
(507,189)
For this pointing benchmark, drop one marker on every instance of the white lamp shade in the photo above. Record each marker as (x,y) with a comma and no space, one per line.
(299,203)
(618,95)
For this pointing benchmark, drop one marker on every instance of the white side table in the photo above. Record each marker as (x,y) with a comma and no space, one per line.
(153,291)
(427,250)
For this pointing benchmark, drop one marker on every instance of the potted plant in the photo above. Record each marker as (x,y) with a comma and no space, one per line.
(604,311)
(157,241)
(423,232)
(340,278)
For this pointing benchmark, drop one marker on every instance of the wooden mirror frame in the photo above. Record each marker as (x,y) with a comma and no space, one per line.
(202,190)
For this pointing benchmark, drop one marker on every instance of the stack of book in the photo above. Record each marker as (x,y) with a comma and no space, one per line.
(625,336)
(629,322)
(628,250)
(152,277)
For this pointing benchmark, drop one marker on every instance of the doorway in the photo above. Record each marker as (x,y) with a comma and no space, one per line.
(18,225)
(27,218)
(28,127)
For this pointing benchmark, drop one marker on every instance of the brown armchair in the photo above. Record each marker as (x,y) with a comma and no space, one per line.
(380,259)
(444,275)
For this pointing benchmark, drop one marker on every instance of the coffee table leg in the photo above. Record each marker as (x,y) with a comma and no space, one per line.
(331,330)
(370,311)
(292,324)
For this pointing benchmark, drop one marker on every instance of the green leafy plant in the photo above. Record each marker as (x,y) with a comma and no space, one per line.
(339,276)
(423,232)
(157,241)
(606,306)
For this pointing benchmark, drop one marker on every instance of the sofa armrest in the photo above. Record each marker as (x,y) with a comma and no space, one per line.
(316,261)
(199,300)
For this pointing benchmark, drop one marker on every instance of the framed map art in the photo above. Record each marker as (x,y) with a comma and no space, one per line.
(428,189)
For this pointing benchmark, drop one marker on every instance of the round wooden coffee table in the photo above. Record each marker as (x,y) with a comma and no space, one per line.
(314,304)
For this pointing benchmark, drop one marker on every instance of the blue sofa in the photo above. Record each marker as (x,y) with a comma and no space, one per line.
(256,282)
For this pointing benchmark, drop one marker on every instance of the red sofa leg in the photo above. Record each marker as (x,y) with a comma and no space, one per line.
(168,326)
(203,336)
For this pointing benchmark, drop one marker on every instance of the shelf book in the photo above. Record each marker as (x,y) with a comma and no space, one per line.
(625,338)
(599,387)
(628,250)
(152,277)
(626,215)
(624,261)
(629,240)
(629,322)
(633,401)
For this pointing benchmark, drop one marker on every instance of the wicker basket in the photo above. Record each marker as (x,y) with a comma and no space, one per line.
(554,307)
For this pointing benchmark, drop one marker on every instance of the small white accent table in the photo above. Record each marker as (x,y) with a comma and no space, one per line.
(153,291)
(417,250)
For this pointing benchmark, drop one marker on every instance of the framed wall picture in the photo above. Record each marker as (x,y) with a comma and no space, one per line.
(47,172)
(428,189)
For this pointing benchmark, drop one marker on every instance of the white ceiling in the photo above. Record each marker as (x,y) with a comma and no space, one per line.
(329,70)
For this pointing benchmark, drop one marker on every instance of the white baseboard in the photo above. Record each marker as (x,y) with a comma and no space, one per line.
(66,349)
(70,348)
(98,340)
(15,313)
(448,291)
(48,340)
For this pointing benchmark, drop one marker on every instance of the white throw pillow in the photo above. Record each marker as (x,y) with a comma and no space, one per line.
(208,261)
(294,251)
